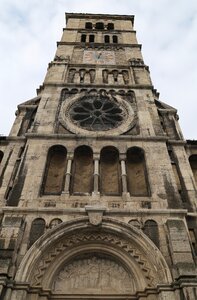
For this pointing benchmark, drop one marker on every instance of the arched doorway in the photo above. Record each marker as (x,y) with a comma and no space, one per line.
(83,260)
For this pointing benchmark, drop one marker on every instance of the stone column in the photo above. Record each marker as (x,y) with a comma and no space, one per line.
(8,294)
(123,174)
(96,175)
(68,173)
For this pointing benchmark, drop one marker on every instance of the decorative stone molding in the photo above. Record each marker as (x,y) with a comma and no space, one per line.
(95,214)
(119,241)
(126,119)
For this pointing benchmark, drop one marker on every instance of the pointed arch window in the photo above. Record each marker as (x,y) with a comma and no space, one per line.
(110,183)
(136,172)
(55,170)
(82,171)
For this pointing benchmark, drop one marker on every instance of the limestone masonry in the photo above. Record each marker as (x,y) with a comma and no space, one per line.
(98,187)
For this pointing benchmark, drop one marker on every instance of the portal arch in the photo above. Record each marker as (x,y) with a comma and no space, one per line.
(66,249)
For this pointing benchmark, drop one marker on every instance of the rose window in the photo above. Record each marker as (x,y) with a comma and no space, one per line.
(96,113)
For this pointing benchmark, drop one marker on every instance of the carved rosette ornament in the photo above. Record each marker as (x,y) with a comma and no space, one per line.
(100,114)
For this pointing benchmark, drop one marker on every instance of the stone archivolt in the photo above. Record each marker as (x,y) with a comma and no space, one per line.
(63,252)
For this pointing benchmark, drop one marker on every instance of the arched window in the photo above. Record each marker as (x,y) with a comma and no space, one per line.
(82,171)
(91,38)
(115,39)
(110,26)
(99,26)
(193,164)
(151,230)
(54,223)
(55,170)
(36,231)
(83,38)
(136,172)
(107,39)
(110,183)
(1,155)
(88,25)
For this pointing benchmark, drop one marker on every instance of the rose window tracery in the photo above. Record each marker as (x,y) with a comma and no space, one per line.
(96,113)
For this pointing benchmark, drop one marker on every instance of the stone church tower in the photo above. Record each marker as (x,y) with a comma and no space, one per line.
(98,186)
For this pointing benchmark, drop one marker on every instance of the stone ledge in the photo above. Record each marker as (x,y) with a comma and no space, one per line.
(53,210)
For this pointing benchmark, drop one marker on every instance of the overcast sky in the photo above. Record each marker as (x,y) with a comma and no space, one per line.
(167,30)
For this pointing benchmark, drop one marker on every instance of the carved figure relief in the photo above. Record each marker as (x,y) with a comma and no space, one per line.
(71,75)
(54,223)
(120,77)
(115,75)
(92,76)
(94,274)
(105,76)
(62,58)
(136,62)
(125,75)
(81,75)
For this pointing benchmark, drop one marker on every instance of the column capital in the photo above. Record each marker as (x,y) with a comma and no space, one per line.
(96,156)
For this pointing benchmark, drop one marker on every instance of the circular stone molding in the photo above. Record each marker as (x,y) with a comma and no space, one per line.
(103,115)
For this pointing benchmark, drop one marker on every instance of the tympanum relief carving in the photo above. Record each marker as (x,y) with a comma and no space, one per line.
(94,274)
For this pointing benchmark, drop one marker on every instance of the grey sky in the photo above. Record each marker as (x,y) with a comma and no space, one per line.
(167,30)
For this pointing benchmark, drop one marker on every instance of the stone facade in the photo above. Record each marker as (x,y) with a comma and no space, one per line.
(98,188)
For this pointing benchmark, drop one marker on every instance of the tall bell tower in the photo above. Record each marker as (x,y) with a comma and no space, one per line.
(98,188)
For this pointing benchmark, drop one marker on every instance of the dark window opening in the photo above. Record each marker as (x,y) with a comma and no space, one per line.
(151,230)
(106,39)
(193,240)
(99,26)
(88,25)
(115,39)
(1,156)
(110,26)
(193,164)
(36,231)
(91,38)
(83,38)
